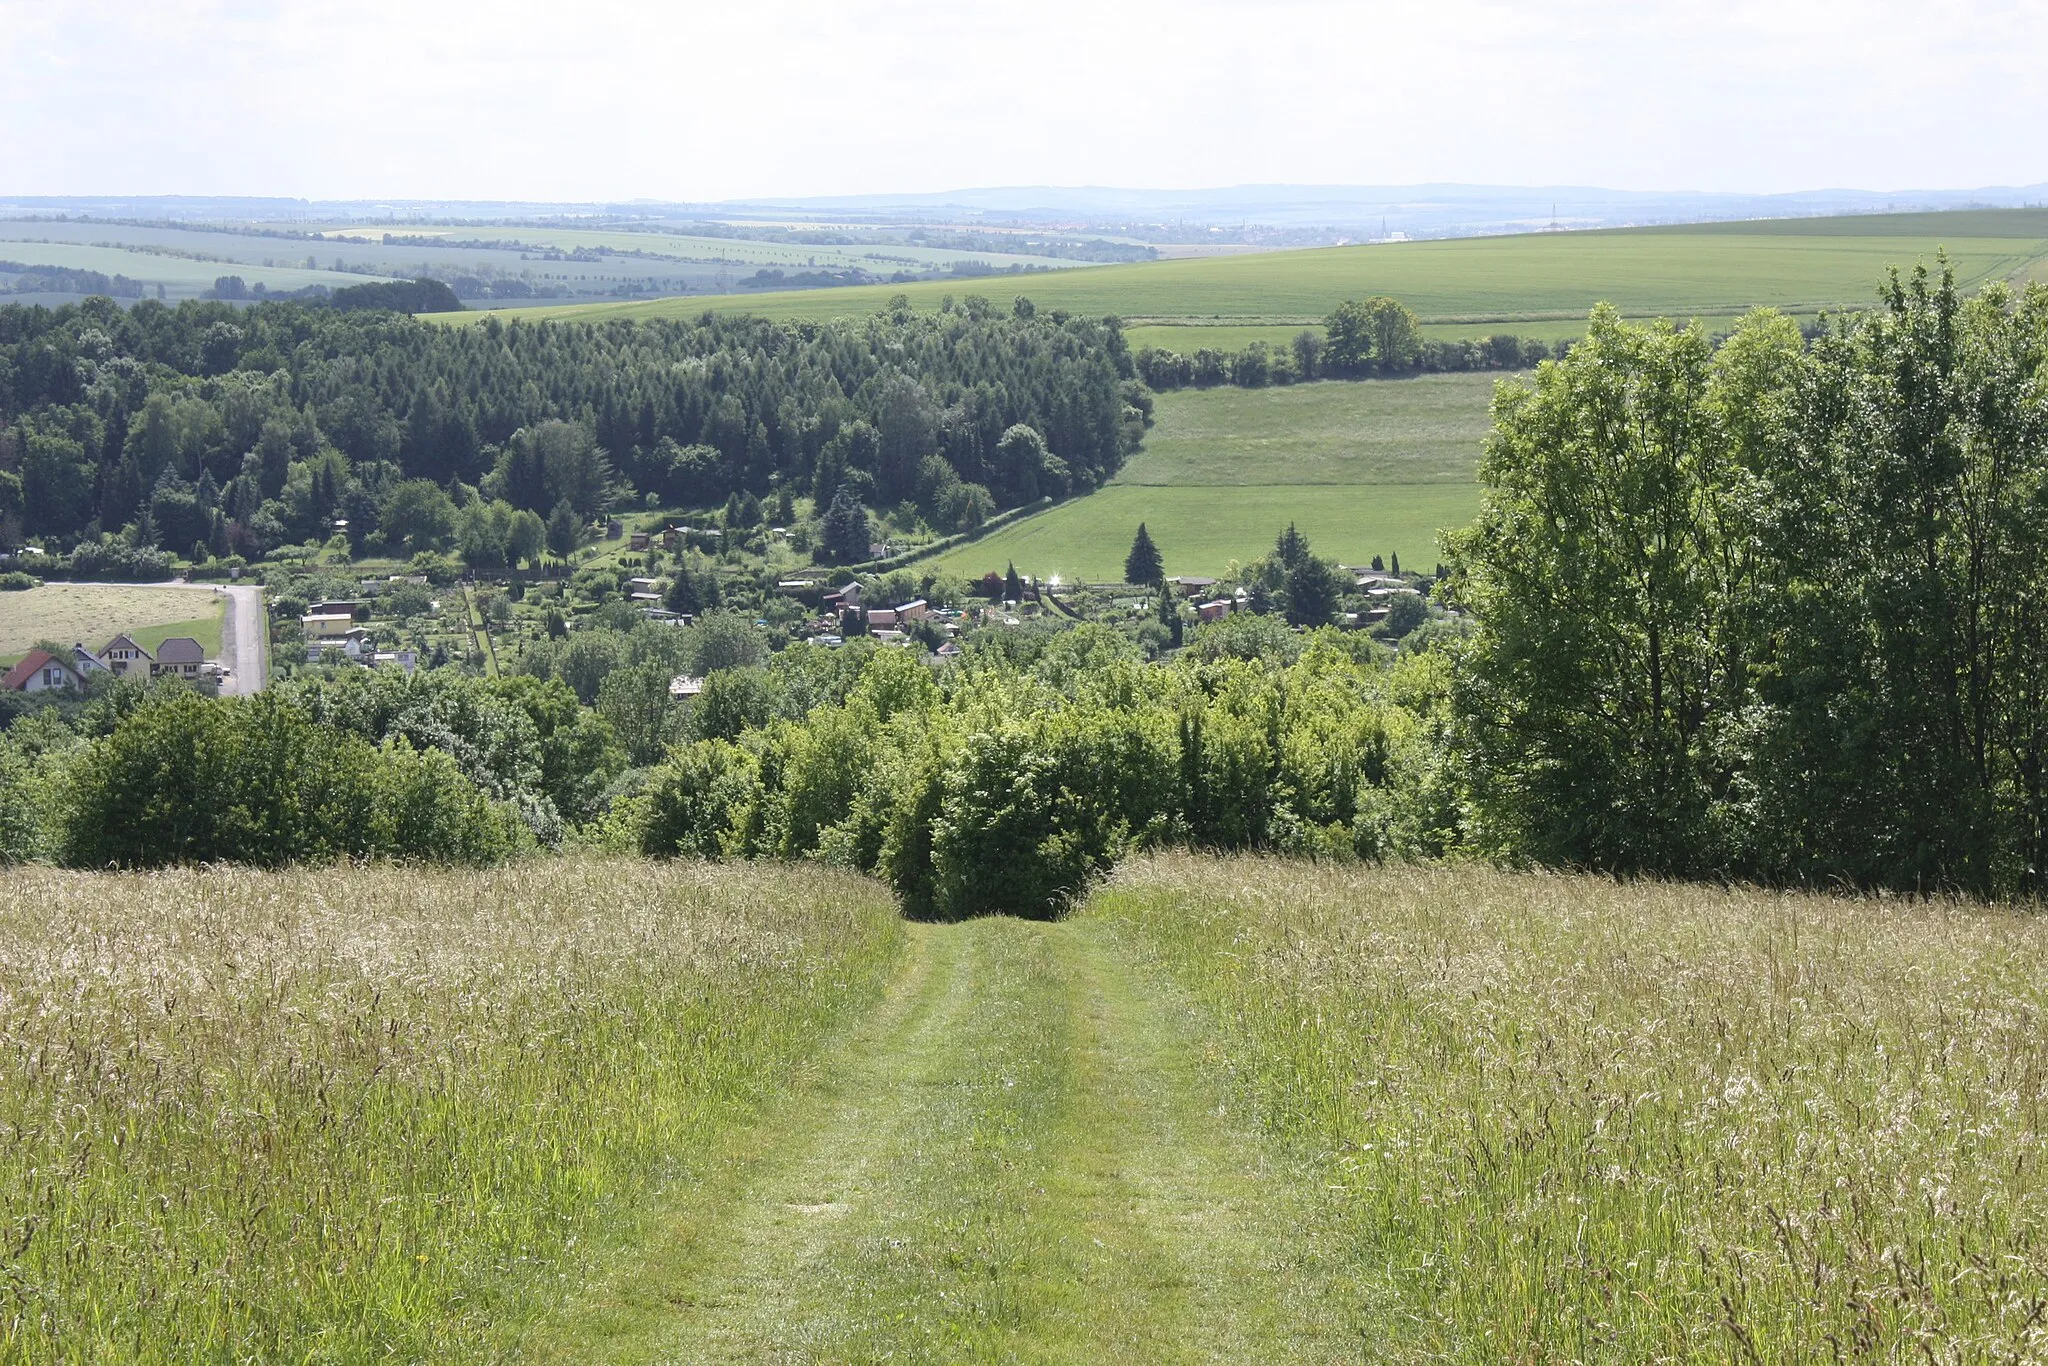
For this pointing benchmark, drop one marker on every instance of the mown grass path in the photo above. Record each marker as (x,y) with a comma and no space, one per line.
(1021,1156)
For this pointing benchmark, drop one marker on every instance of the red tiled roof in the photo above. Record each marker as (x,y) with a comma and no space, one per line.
(18,676)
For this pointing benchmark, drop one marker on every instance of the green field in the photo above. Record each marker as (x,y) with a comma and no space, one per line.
(1712,270)
(92,614)
(1425,430)
(1364,469)
(180,276)
(877,256)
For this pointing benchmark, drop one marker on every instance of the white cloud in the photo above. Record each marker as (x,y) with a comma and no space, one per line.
(695,100)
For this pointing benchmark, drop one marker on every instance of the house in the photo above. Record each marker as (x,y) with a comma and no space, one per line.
(1191,585)
(683,685)
(614,529)
(359,644)
(1216,610)
(333,607)
(643,585)
(647,599)
(639,540)
(842,598)
(949,650)
(407,660)
(888,637)
(85,663)
(327,625)
(123,658)
(914,610)
(180,657)
(884,617)
(40,671)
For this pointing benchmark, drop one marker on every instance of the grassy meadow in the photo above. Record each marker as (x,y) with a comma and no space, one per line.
(1228,1110)
(1708,270)
(1574,1119)
(92,614)
(1364,469)
(364,1112)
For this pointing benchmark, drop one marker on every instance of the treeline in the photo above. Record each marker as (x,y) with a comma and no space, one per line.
(1777,611)
(67,280)
(1377,338)
(238,430)
(1007,782)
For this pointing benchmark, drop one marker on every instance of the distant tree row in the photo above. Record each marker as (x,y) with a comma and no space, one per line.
(1379,338)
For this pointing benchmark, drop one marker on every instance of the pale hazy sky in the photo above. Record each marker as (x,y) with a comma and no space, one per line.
(589,99)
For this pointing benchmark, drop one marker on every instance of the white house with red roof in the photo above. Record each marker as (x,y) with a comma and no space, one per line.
(40,671)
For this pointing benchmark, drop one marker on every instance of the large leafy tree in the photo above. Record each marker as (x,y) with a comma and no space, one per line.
(1601,687)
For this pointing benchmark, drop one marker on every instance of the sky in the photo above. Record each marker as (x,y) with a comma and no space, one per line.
(695,101)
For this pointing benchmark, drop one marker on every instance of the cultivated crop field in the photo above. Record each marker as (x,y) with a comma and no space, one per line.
(1710,270)
(1364,469)
(91,614)
(881,256)
(1574,1119)
(350,1113)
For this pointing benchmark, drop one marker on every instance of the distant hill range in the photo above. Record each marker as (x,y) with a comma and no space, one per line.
(1262,213)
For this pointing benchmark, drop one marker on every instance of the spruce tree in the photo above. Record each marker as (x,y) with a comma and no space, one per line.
(1013,585)
(1144,565)
(1292,548)
(845,532)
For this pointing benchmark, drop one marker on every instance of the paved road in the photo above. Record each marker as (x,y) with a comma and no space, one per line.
(242,642)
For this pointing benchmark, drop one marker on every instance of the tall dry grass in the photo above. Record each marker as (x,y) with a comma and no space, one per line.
(351,1113)
(1571,1119)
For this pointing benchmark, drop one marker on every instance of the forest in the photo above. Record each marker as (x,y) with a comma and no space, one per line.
(207,430)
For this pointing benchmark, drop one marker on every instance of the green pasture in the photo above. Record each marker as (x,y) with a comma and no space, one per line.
(1708,270)
(1425,430)
(1201,529)
(1364,468)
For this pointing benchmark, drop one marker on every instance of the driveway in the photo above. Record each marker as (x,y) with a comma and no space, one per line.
(243,642)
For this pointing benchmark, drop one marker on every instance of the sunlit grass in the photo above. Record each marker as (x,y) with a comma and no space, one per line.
(352,1113)
(1576,1119)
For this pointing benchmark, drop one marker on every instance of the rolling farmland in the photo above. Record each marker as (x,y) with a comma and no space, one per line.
(586,262)
(1708,270)
(1363,469)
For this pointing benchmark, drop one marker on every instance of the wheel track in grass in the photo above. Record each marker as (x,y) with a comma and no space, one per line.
(1021,1155)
